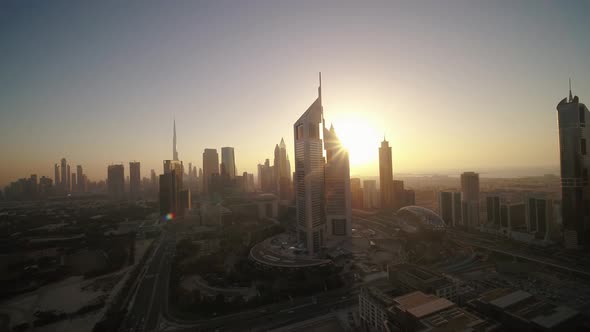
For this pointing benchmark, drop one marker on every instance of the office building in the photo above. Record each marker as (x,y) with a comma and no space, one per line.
(116,181)
(153,181)
(80,179)
(210,167)
(56,176)
(265,177)
(402,197)
(470,199)
(370,194)
(386,175)
(73,182)
(45,186)
(309,177)
(282,171)
(170,184)
(174,151)
(540,218)
(356,192)
(493,210)
(449,205)
(134,179)
(64,175)
(337,187)
(228,162)
(69,179)
(574,137)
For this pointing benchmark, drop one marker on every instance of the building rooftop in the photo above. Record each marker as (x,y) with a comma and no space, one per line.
(432,313)
(526,307)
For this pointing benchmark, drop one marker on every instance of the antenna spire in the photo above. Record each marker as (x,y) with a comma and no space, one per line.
(571,98)
(320,88)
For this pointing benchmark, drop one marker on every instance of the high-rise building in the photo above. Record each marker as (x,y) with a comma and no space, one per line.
(574,137)
(153,181)
(356,193)
(170,188)
(401,196)
(370,194)
(386,175)
(282,171)
(134,178)
(69,179)
(337,187)
(174,151)
(228,162)
(63,183)
(493,210)
(449,204)
(309,177)
(210,167)
(80,177)
(265,177)
(116,181)
(56,177)
(73,182)
(470,198)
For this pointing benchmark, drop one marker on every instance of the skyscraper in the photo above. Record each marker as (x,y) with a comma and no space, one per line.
(449,204)
(386,175)
(153,181)
(134,179)
(265,177)
(356,193)
(174,151)
(370,194)
(116,181)
(56,176)
(282,171)
(210,167)
(470,198)
(228,162)
(309,177)
(170,188)
(68,180)
(493,210)
(574,136)
(337,187)
(80,176)
(64,176)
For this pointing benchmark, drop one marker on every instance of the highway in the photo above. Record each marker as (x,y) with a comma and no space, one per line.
(151,294)
(149,307)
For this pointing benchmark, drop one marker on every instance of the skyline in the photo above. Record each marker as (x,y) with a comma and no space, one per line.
(117,104)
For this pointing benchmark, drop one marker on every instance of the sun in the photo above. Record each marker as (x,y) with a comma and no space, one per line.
(360,138)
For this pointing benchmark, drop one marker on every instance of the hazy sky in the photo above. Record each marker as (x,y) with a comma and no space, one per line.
(454,85)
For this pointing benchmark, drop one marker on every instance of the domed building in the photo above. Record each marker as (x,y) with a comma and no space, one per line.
(420,223)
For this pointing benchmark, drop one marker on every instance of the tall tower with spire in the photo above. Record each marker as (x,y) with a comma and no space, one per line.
(386,175)
(309,177)
(574,136)
(174,152)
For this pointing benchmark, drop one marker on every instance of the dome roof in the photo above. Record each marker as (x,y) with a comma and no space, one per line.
(422,218)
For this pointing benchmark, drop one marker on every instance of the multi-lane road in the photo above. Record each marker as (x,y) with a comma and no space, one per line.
(150,298)
(148,309)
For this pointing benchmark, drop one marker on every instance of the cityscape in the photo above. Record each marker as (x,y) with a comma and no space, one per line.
(327,227)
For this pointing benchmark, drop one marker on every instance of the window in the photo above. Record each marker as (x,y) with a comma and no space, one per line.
(583,146)
(300,131)
(582,117)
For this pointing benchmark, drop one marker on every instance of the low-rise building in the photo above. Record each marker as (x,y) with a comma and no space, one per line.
(518,310)
(409,277)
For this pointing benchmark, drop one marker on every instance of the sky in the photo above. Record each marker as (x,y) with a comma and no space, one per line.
(453,85)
